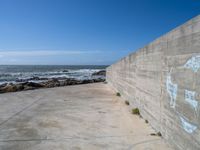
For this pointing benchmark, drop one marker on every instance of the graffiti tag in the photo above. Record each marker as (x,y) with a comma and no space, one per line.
(190,98)
(193,63)
(172,90)
(188,127)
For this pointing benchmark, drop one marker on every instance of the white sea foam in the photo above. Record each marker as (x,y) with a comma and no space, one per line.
(24,73)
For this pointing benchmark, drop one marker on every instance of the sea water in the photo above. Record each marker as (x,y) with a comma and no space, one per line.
(15,73)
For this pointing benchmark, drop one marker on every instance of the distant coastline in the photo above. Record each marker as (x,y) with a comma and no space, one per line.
(27,77)
(39,73)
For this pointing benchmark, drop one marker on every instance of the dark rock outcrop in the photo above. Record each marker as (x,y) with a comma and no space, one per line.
(99,73)
(10,87)
(31,79)
(51,83)
(65,71)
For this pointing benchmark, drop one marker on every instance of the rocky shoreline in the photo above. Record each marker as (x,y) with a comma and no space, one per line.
(11,87)
(27,84)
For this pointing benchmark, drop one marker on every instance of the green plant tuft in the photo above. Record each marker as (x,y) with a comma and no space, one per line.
(118,94)
(159,134)
(156,134)
(136,111)
(127,103)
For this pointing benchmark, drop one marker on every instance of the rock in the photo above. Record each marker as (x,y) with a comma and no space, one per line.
(3,85)
(65,71)
(43,78)
(21,80)
(99,73)
(30,86)
(35,78)
(10,87)
(33,84)
(19,87)
(87,81)
(72,81)
(99,80)
(61,78)
(62,83)
(51,83)
(31,79)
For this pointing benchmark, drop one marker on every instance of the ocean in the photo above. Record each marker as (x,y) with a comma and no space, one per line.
(38,73)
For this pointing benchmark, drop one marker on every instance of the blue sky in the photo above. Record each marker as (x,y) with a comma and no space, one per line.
(84,32)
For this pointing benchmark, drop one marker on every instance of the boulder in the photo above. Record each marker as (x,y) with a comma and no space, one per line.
(65,71)
(3,85)
(19,87)
(31,79)
(51,83)
(98,80)
(72,81)
(31,85)
(99,73)
(10,87)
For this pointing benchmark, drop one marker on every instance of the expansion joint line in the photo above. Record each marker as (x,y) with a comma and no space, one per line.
(16,114)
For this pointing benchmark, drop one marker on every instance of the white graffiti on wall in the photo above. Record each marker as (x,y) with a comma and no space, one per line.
(190,98)
(193,63)
(172,90)
(188,127)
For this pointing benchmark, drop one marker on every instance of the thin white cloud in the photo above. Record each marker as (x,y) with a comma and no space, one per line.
(32,53)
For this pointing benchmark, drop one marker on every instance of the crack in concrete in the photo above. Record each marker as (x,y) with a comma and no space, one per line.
(142,142)
(66,138)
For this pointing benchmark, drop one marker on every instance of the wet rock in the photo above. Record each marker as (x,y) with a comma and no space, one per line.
(99,73)
(31,79)
(54,82)
(99,80)
(73,82)
(22,80)
(51,83)
(32,84)
(19,87)
(3,85)
(35,78)
(87,81)
(43,78)
(65,71)
(10,87)
(61,78)
(62,82)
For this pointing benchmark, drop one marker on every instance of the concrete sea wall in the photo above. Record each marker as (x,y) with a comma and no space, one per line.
(163,81)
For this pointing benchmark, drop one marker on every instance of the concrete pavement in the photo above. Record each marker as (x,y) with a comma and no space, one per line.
(81,117)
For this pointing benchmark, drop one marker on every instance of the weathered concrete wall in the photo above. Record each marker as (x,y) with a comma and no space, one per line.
(163,81)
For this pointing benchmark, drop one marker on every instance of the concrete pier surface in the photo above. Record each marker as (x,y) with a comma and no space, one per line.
(80,117)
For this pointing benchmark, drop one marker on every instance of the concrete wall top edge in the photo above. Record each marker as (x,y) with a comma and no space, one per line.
(165,37)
